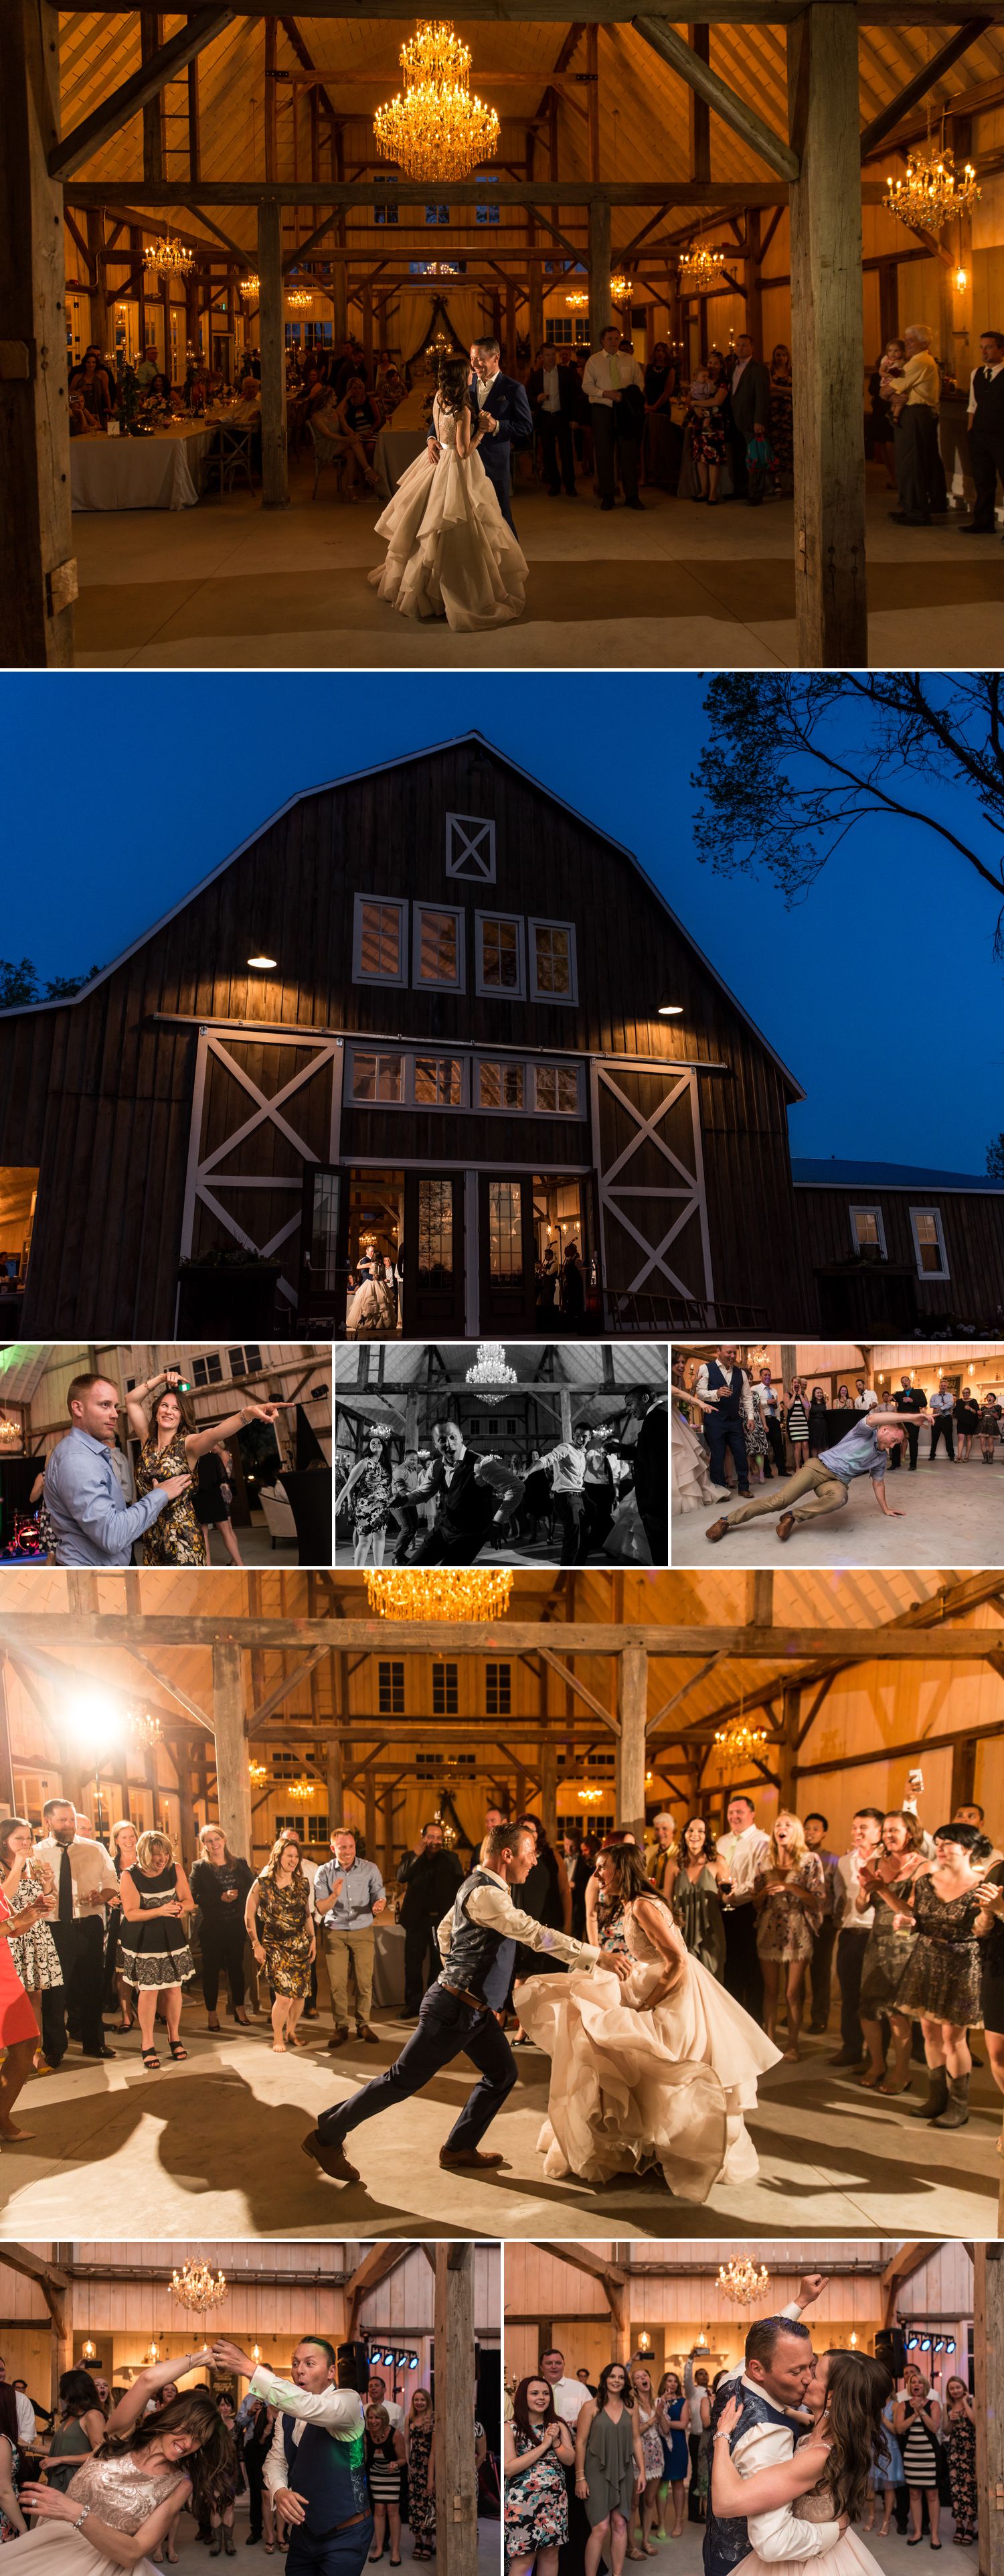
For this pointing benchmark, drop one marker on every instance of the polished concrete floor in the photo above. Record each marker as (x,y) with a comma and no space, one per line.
(228,584)
(951,1515)
(213,2148)
(683,2557)
(194,2558)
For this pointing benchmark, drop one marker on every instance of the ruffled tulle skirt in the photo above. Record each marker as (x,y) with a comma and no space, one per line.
(690,1476)
(848,2557)
(635,2085)
(449,551)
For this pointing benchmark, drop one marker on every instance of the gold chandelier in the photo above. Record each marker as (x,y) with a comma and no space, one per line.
(577,303)
(196,2287)
(146,1727)
(621,289)
(304,1791)
(440,1594)
(437,130)
(589,1797)
(933,190)
(167,259)
(257,1773)
(250,287)
(9,1430)
(743,2281)
(700,269)
(740,1742)
(299,299)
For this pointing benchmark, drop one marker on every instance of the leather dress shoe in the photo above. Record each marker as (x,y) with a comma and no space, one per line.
(364,2032)
(469,2159)
(716,1531)
(330,2155)
(786,1525)
(338,2039)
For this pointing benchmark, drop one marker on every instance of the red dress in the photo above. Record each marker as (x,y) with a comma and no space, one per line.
(17,2021)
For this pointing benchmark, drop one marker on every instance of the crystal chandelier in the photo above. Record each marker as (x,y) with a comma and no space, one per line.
(490,1367)
(299,299)
(250,288)
(589,1797)
(440,1593)
(577,303)
(146,1727)
(700,268)
(933,190)
(621,289)
(304,1791)
(8,1430)
(743,2281)
(167,259)
(196,2287)
(739,1742)
(437,130)
(257,1773)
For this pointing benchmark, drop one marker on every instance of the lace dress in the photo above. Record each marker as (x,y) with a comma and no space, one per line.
(121,2492)
(637,2083)
(153,1950)
(785,1925)
(942,1973)
(848,2556)
(449,551)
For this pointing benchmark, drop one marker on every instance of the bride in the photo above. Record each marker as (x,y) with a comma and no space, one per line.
(123,2499)
(449,551)
(654,2072)
(689,1472)
(827,2477)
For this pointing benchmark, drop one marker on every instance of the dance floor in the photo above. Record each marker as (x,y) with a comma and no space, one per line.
(951,1515)
(213,2147)
(544,1555)
(684,2556)
(193,2558)
(229,584)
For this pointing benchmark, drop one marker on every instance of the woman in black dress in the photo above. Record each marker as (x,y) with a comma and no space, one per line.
(214,1495)
(941,1980)
(220,1884)
(817,1421)
(967,1420)
(156,1958)
(990,1935)
(960,2435)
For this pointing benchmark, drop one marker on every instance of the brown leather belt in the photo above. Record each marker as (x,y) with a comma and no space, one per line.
(476,2001)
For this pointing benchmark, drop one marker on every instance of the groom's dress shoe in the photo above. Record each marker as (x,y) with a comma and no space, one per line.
(467,2159)
(330,2155)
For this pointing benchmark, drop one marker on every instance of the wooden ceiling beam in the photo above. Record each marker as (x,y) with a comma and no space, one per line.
(735,112)
(605,13)
(135,93)
(782,1644)
(343,195)
(881,126)
(965,102)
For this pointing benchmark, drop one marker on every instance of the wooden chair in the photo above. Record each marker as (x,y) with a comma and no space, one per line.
(326,453)
(230,458)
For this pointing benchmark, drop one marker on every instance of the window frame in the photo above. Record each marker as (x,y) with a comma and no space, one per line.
(399,903)
(437,983)
(944,1272)
(389,1055)
(557,1070)
(865,1207)
(499,992)
(463,823)
(565,1001)
(435,1055)
(504,1065)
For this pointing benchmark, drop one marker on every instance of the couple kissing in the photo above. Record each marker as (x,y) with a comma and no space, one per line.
(795,2437)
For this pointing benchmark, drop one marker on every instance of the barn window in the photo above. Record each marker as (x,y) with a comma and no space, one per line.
(390,1686)
(929,1243)
(380,950)
(439,1082)
(439,946)
(552,962)
(444,1690)
(470,848)
(868,1230)
(377,1077)
(500,1086)
(498,1688)
(499,956)
(556,1087)
(208,1371)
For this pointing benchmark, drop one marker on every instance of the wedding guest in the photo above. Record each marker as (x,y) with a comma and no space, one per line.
(552,401)
(693,1895)
(910,1400)
(723,1391)
(943,1409)
(941,1980)
(171,1447)
(613,384)
(12,2521)
(90,381)
(915,402)
(882,427)
(385,2459)
(221,1883)
(30,1884)
(539,2451)
(315,2470)
(213,1497)
(349,1895)
(985,424)
(662,441)
(672,2418)
(277,1917)
(647,2504)
(565,1466)
(708,422)
(82,1494)
(815,1828)
(85,1881)
(818,1417)
(123,1837)
(156,1958)
(824,1483)
(750,408)
(429,1877)
(81,2428)
(259,2425)
(358,419)
(609,2468)
(661,1853)
(697,2392)
(854,1924)
(768,1399)
(990,1419)
(917,2425)
(967,1421)
(797,1422)
(789,1895)
(419,2444)
(742,1852)
(959,2433)
(864,1396)
(889,1946)
(781,424)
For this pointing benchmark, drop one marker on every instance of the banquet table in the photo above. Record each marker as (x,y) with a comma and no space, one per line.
(401,439)
(162,472)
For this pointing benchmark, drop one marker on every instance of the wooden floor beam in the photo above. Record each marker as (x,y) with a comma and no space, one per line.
(827,341)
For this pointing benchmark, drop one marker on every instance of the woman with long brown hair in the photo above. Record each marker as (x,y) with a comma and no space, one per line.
(280,1929)
(172,1445)
(450,552)
(887,1949)
(655,2071)
(789,1896)
(120,2504)
(827,2477)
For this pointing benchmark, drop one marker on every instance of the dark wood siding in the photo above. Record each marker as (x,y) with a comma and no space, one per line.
(973,1230)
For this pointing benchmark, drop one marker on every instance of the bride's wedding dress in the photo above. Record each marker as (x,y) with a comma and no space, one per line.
(449,551)
(848,2556)
(636,2083)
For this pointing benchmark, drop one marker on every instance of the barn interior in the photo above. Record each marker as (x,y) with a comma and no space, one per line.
(214,187)
(594,1700)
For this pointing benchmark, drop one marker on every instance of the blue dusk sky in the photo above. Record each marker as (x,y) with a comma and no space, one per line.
(122,790)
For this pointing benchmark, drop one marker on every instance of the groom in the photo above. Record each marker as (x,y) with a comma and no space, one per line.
(502,401)
(771,2390)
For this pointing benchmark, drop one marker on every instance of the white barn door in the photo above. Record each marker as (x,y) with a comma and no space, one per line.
(652,1206)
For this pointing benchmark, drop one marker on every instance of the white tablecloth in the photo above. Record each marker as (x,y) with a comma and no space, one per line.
(401,440)
(158,473)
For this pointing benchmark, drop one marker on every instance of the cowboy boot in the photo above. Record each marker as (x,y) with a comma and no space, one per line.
(937,2095)
(957,2114)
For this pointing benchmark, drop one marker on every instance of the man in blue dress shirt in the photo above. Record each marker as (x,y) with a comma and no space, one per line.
(92,1524)
(348,1895)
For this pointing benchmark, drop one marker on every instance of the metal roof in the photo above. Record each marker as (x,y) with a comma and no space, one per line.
(829,1173)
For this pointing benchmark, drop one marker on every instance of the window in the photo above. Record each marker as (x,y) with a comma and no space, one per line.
(556,1087)
(208,1371)
(552,962)
(387,214)
(868,1230)
(499,962)
(432,1766)
(439,1082)
(569,331)
(505,1230)
(380,943)
(498,1690)
(437,214)
(390,1686)
(377,1077)
(487,212)
(311,1829)
(929,1243)
(444,1690)
(438,946)
(470,848)
(244,1363)
(500,1086)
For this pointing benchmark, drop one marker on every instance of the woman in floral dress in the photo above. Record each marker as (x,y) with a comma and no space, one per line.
(280,1929)
(538,2450)
(959,2431)
(941,1980)
(34,1952)
(789,1895)
(172,1446)
(370,1484)
(421,2487)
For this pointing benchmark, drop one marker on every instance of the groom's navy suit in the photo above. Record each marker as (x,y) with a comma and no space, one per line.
(506,400)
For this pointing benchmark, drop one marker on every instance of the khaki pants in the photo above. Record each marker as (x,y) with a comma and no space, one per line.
(823,1493)
(341,1948)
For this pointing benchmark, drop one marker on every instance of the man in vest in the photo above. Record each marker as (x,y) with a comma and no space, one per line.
(723,1391)
(777,2372)
(316,2469)
(456,2017)
(986,432)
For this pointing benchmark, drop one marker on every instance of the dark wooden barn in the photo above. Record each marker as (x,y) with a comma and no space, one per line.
(423,1012)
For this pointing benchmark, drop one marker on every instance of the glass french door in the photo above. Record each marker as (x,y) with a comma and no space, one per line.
(434,1253)
(507,1250)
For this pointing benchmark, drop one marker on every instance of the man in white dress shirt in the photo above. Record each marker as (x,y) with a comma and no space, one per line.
(566,1468)
(609,380)
(745,1849)
(779,2365)
(85,1881)
(315,2471)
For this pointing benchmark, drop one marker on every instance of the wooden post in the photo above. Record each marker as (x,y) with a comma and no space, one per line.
(456,2474)
(751,276)
(549,1790)
(593,96)
(368,333)
(831,600)
(552,133)
(271,103)
(510,325)
(535,323)
(632,1710)
(99,288)
(233,1788)
(988,2353)
(599,269)
(151,38)
(788,1748)
(369,1787)
(194,122)
(271,341)
(38,575)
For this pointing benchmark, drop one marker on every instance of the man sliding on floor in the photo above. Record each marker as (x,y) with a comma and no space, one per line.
(825,1481)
